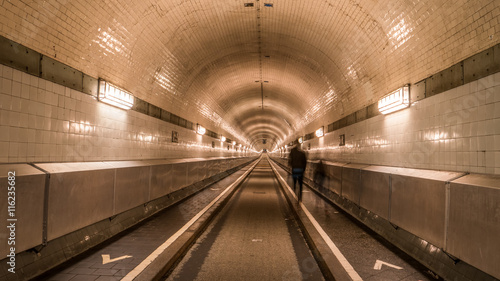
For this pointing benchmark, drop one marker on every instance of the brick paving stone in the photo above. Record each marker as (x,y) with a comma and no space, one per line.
(84,278)
(61,277)
(100,265)
(80,271)
(122,272)
(105,271)
(108,278)
(123,266)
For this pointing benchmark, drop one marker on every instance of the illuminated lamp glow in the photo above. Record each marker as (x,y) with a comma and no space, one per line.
(234,143)
(395,101)
(222,138)
(200,129)
(301,140)
(114,96)
(320,132)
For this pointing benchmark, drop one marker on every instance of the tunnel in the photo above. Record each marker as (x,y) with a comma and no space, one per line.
(116,113)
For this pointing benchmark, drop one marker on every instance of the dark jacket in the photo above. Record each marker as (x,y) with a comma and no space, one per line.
(297,158)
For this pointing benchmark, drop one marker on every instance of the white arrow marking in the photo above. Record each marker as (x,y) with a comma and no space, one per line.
(379,263)
(106,259)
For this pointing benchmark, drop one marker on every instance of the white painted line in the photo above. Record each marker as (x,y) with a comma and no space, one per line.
(138,269)
(379,263)
(340,257)
(106,259)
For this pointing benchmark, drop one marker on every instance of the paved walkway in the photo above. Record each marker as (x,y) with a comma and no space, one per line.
(121,254)
(254,238)
(370,255)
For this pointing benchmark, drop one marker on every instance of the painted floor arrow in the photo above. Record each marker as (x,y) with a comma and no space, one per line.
(379,263)
(106,259)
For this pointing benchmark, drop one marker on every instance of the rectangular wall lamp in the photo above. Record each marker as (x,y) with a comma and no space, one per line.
(110,94)
(395,101)
(320,132)
(200,129)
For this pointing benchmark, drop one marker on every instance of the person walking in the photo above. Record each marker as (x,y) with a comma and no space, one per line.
(297,161)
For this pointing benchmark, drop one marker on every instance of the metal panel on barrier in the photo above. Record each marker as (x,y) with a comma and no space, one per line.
(351,182)
(204,169)
(310,169)
(418,202)
(474,222)
(211,167)
(193,172)
(131,184)
(375,189)
(80,194)
(161,180)
(28,199)
(179,176)
(334,176)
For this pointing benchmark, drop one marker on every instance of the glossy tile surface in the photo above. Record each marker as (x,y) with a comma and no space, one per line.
(281,70)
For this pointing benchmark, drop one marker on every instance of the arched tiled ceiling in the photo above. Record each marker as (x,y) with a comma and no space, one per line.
(218,62)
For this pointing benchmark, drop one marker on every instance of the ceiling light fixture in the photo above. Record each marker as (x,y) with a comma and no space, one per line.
(200,129)
(320,132)
(395,101)
(112,95)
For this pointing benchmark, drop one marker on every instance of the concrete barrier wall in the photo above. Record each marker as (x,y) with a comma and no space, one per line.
(375,190)
(334,176)
(351,182)
(81,194)
(29,191)
(474,222)
(161,180)
(418,203)
(457,212)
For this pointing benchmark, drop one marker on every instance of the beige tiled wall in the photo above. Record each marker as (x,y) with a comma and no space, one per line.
(458,130)
(328,58)
(44,122)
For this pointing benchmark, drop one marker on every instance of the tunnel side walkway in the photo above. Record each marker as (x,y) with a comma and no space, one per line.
(372,257)
(256,237)
(115,258)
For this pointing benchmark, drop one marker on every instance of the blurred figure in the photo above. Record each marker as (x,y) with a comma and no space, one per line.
(297,161)
(319,174)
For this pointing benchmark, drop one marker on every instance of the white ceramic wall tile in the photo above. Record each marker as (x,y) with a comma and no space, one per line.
(54,123)
(339,57)
(456,130)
